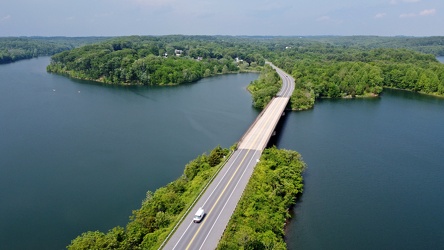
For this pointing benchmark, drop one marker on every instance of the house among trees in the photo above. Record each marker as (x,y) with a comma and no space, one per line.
(178,52)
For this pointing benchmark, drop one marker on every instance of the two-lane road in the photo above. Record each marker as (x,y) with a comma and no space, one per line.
(222,195)
(287,82)
(219,203)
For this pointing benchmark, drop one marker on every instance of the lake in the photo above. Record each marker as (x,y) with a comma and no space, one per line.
(76,156)
(375,173)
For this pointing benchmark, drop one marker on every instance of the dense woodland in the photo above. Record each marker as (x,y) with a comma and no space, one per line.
(326,71)
(13,49)
(168,60)
(427,45)
(265,87)
(324,67)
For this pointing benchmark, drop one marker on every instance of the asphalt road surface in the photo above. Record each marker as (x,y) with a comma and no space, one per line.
(223,194)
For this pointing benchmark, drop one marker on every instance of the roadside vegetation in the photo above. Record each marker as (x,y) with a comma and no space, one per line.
(160,211)
(265,87)
(260,216)
(257,222)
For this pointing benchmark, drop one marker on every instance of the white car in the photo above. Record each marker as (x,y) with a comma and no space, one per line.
(199,215)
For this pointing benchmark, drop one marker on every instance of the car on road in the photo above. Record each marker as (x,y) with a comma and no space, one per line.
(199,215)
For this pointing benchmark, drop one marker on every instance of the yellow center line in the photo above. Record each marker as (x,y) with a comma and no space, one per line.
(218,198)
(225,188)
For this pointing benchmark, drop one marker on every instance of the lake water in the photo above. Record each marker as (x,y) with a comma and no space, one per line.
(375,173)
(77,157)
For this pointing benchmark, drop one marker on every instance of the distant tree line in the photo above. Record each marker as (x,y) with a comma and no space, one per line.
(13,49)
(326,71)
(429,45)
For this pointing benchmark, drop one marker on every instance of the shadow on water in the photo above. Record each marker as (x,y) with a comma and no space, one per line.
(277,131)
(410,95)
(143,91)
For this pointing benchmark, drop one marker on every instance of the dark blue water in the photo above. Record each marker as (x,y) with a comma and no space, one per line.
(76,157)
(375,173)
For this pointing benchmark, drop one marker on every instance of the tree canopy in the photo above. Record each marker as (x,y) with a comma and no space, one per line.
(326,71)
(324,67)
(167,60)
(18,48)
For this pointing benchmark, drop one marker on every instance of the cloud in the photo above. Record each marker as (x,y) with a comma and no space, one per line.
(427,12)
(380,15)
(5,18)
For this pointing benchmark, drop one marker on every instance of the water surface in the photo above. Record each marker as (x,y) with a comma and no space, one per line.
(375,173)
(76,156)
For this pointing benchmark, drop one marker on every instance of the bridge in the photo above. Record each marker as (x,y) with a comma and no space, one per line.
(222,195)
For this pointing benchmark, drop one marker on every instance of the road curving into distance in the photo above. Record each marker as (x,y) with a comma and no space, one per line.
(222,195)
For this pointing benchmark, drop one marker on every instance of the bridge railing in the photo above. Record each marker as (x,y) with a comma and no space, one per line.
(254,123)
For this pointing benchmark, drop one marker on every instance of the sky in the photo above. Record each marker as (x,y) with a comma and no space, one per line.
(221,17)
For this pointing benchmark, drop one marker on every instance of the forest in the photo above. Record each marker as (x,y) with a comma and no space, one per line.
(265,87)
(324,67)
(427,45)
(18,48)
(168,60)
(327,71)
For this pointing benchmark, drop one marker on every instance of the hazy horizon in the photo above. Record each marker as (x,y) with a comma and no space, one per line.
(81,18)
